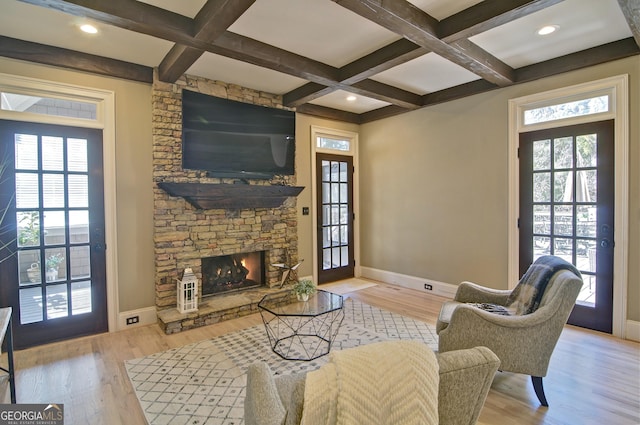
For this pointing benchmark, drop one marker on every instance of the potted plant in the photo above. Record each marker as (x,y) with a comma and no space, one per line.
(52,263)
(29,228)
(303,289)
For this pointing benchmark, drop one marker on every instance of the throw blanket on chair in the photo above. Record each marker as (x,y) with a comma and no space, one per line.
(526,296)
(391,382)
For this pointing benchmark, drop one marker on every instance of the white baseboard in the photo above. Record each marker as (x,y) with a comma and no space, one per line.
(633,331)
(437,288)
(146,316)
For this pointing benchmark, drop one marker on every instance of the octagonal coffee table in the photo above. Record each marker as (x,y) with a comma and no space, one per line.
(301,330)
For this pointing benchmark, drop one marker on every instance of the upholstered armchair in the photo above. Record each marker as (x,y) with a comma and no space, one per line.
(453,394)
(523,340)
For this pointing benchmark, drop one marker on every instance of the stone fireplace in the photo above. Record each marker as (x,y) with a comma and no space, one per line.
(186,231)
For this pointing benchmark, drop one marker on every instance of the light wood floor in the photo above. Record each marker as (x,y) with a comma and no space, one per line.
(593,378)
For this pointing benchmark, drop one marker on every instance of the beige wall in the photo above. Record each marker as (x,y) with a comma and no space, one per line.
(134,195)
(433,183)
(434,186)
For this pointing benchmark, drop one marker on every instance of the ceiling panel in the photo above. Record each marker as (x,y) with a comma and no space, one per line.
(59,29)
(232,71)
(582,24)
(426,74)
(338,100)
(441,9)
(318,29)
(188,8)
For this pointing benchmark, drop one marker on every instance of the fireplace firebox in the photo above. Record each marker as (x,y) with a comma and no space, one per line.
(227,273)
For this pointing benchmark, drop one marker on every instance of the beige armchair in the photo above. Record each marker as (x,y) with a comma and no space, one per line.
(523,342)
(461,383)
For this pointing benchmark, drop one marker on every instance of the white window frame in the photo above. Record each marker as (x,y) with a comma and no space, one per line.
(316,132)
(617,88)
(105,120)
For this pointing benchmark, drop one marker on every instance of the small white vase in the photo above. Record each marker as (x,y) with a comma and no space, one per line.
(303,297)
(51,275)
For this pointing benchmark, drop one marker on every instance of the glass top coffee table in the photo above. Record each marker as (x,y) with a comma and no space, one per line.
(301,330)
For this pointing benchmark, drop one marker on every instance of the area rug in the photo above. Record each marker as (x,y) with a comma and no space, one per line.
(204,383)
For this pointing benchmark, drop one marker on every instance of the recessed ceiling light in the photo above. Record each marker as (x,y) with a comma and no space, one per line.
(548,29)
(351,98)
(89,29)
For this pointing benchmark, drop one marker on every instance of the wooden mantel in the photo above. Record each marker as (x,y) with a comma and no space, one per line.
(205,196)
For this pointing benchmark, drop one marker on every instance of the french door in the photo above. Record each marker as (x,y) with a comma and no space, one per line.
(335,217)
(53,271)
(567,210)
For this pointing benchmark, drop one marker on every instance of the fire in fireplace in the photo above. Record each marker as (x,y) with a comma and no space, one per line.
(234,272)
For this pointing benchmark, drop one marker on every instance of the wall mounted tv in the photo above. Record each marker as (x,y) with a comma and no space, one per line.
(236,140)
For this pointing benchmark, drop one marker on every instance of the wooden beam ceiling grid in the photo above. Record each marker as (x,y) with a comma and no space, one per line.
(421,34)
(213,19)
(415,25)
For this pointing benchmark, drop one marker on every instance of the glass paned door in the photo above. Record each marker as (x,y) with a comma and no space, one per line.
(566,209)
(335,217)
(57,258)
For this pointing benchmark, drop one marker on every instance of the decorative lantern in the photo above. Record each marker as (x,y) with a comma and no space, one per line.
(188,292)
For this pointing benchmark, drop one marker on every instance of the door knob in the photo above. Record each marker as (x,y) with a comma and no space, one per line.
(605,243)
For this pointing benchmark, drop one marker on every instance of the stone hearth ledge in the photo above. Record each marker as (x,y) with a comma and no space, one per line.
(214,309)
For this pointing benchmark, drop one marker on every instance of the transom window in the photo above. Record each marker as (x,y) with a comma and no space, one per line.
(570,109)
(48,106)
(342,144)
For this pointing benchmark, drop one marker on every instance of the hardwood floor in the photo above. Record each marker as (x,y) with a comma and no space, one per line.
(593,378)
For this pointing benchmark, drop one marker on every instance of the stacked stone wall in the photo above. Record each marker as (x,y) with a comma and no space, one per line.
(183,234)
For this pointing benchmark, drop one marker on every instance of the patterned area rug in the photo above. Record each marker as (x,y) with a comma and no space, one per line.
(204,383)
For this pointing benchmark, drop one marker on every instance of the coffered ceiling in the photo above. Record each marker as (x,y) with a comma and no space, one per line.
(389,56)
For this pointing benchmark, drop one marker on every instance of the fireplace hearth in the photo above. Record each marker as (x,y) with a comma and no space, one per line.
(228,273)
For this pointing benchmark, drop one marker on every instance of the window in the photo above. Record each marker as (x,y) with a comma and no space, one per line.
(48,106)
(589,106)
(343,145)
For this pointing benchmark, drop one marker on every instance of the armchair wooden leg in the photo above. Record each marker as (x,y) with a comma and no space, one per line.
(537,386)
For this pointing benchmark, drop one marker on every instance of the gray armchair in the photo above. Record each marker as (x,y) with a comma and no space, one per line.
(523,342)
(464,379)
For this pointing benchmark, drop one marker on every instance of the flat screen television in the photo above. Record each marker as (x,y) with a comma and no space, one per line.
(235,139)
